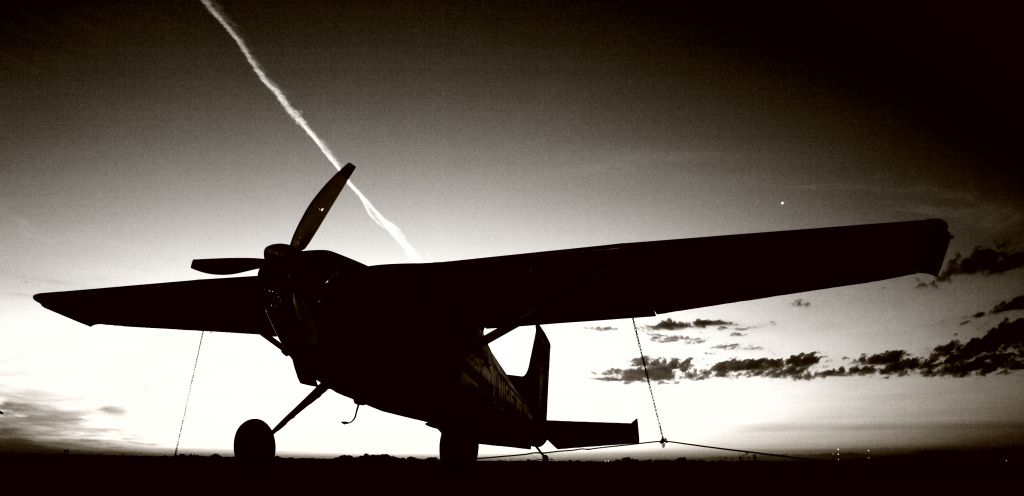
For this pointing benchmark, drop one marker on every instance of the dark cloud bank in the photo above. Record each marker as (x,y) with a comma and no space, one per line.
(659,369)
(999,351)
(698,324)
(672,325)
(984,261)
(1017,303)
(1007,306)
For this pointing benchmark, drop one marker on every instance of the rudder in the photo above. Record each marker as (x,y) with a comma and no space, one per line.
(533,387)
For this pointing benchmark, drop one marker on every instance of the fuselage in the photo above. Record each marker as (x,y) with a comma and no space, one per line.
(396,344)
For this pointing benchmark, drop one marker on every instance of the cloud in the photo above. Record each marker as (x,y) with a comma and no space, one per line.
(840,372)
(666,338)
(665,369)
(113,410)
(856,370)
(672,325)
(1015,304)
(982,261)
(602,328)
(794,367)
(32,423)
(897,362)
(770,323)
(801,303)
(999,351)
(862,370)
(737,334)
(721,324)
(660,369)
(736,346)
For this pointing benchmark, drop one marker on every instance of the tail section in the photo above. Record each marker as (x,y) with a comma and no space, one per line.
(533,387)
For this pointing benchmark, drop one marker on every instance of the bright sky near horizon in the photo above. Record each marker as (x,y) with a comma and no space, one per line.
(136,138)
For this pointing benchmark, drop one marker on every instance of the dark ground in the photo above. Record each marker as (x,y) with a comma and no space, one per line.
(21,474)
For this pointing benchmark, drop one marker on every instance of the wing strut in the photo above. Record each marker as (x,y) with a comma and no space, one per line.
(275,342)
(643,360)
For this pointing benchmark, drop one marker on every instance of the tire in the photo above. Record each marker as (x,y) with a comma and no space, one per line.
(254,442)
(458,448)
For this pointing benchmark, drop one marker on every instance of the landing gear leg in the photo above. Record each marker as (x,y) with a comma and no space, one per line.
(458,447)
(543,457)
(254,440)
(317,392)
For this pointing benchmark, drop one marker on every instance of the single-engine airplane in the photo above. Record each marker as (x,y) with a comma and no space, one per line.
(322,309)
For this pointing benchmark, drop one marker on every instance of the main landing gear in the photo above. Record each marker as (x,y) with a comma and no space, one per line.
(254,439)
(458,447)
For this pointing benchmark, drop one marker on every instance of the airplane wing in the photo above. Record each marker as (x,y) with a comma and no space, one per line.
(226,305)
(596,283)
(644,279)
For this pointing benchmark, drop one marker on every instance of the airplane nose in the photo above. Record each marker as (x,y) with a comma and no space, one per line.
(271,299)
(279,251)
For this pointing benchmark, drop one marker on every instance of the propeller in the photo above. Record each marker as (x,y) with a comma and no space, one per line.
(318,208)
(304,232)
(226,266)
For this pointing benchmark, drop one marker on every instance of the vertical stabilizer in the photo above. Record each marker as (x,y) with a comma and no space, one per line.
(533,387)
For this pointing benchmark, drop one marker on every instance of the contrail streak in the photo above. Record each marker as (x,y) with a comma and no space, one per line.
(296,116)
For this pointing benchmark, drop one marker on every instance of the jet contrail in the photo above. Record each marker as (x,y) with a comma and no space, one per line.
(296,116)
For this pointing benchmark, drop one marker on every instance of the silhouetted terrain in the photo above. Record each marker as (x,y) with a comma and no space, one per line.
(947,473)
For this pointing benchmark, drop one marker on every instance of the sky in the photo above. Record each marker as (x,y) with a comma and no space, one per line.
(135,138)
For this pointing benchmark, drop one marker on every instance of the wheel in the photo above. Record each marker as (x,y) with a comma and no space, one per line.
(458,448)
(254,441)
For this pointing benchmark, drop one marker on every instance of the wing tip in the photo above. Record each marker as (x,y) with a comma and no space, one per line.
(52,302)
(936,243)
(45,299)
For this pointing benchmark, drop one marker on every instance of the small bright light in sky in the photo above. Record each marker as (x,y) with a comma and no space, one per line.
(782,203)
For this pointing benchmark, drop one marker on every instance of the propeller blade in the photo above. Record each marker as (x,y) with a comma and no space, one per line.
(319,207)
(226,266)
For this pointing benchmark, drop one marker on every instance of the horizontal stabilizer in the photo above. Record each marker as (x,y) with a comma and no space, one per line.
(578,434)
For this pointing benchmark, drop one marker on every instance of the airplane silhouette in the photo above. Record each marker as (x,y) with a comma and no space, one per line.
(324,311)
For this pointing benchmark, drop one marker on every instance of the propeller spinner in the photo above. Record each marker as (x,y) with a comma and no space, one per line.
(304,232)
